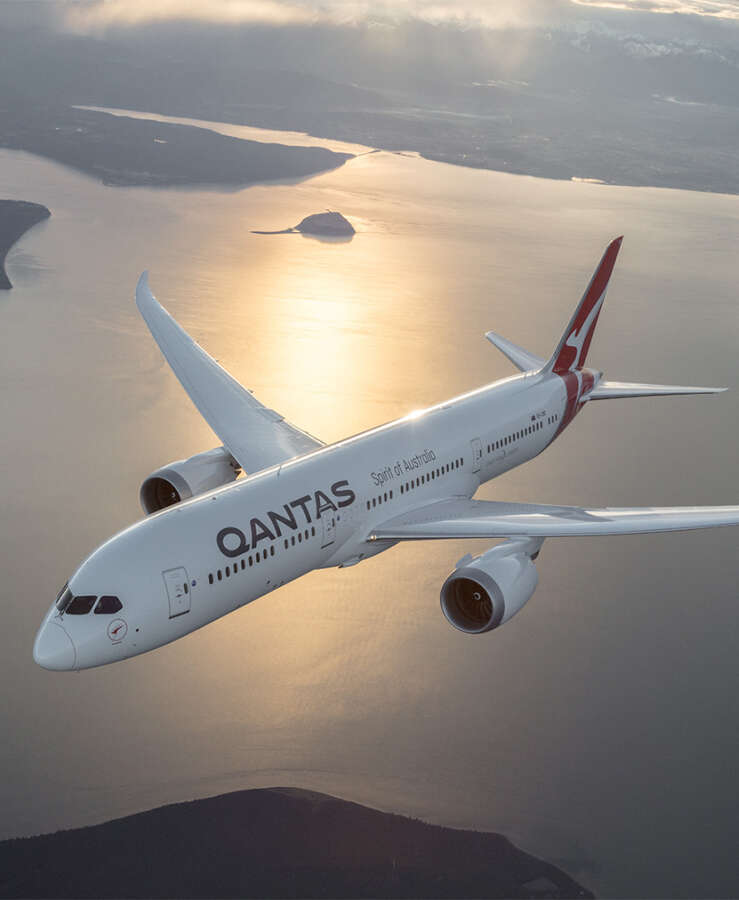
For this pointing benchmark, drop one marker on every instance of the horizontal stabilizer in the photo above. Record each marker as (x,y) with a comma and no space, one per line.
(614,390)
(453,519)
(520,358)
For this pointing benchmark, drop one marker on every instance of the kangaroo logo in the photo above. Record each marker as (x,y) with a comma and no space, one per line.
(578,339)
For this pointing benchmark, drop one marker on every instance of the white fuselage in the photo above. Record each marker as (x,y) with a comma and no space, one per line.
(181,568)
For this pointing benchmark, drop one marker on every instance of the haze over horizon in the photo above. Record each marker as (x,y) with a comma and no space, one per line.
(626,93)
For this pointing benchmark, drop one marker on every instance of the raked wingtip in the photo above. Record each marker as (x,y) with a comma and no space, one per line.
(143,291)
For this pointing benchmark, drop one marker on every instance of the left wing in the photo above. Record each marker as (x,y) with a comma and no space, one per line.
(254,435)
(490,519)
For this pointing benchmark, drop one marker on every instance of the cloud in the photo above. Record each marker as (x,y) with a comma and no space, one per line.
(101,14)
(720,9)
(98,15)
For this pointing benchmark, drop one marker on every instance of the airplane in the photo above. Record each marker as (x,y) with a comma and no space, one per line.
(213,541)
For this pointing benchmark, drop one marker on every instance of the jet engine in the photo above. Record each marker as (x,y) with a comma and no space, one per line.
(187,478)
(485,591)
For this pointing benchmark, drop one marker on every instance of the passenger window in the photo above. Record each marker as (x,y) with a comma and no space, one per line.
(285,543)
(210,578)
(313,530)
(258,557)
(220,575)
(80,606)
(107,605)
(401,489)
(251,561)
(272,550)
(374,502)
(228,571)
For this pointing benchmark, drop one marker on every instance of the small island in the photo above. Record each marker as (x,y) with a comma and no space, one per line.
(325,224)
(16,217)
(274,842)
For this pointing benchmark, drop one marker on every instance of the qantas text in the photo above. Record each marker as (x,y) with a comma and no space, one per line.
(232,541)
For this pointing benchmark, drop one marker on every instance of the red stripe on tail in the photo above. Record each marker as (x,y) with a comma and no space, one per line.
(573,348)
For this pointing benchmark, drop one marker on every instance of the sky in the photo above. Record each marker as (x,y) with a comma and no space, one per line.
(101,14)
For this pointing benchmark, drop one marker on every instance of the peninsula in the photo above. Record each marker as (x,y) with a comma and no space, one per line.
(274,842)
(127,152)
(16,217)
(326,224)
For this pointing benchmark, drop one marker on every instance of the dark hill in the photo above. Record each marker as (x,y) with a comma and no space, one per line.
(275,842)
(16,217)
(329,223)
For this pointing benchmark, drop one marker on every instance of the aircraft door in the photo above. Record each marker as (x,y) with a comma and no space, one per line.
(329,529)
(476,445)
(178,591)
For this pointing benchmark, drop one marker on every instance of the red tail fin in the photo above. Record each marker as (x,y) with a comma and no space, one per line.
(572,349)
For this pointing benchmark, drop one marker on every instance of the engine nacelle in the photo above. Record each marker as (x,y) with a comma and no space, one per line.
(187,478)
(486,591)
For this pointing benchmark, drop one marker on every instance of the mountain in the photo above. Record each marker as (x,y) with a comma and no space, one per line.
(274,842)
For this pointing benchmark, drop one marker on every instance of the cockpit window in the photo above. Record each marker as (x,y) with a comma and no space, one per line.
(107,605)
(64,598)
(80,606)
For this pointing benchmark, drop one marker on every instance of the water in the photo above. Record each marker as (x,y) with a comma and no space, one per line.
(599,727)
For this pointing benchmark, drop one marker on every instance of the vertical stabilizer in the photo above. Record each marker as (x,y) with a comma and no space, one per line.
(572,349)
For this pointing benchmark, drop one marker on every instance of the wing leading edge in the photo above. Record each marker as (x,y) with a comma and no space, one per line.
(256,436)
(452,519)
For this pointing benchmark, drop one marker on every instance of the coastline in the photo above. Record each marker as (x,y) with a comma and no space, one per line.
(16,218)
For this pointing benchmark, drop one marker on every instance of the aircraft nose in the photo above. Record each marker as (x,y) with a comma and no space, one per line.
(53,648)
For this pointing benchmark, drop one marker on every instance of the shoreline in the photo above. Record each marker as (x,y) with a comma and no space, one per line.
(556,170)
(16,218)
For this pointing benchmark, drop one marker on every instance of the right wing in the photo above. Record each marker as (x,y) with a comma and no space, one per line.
(256,436)
(462,518)
(612,390)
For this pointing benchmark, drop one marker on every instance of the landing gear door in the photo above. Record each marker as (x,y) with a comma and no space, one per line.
(476,444)
(329,529)
(178,591)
